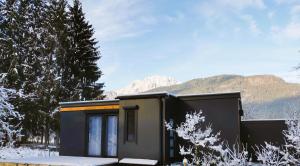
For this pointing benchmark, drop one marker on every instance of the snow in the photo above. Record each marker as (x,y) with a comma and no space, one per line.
(8,130)
(205,147)
(139,86)
(65,160)
(138,161)
(7,153)
(288,154)
(44,156)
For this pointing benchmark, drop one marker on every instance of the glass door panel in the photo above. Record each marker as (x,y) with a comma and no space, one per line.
(111,135)
(95,134)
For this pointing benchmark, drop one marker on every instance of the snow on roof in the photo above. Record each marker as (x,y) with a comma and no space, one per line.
(138,161)
(65,161)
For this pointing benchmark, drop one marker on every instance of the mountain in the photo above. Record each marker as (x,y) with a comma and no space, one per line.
(263,96)
(139,86)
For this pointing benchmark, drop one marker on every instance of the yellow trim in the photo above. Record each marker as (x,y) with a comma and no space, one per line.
(90,108)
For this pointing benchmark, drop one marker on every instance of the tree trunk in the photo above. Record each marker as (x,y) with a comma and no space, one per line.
(47,132)
(42,137)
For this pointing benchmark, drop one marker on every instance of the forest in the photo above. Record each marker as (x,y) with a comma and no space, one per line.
(48,54)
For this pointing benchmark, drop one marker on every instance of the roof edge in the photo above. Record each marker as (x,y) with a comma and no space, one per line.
(90,102)
(145,95)
(238,93)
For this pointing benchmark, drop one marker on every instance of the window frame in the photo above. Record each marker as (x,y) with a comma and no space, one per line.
(103,133)
(134,140)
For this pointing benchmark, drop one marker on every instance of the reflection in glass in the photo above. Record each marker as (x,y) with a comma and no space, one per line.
(112,122)
(95,127)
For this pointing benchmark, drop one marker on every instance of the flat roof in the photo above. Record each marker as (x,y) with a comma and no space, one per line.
(264,120)
(151,95)
(145,95)
(211,95)
(88,103)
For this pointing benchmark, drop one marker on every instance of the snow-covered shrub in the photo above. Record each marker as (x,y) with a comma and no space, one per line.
(10,129)
(205,146)
(271,155)
(288,154)
(203,142)
(291,148)
(235,155)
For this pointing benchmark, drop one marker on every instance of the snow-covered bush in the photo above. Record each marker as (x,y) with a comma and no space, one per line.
(205,146)
(203,142)
(10,129)
(292,136)
(235,155)
(288,154)
(271,155)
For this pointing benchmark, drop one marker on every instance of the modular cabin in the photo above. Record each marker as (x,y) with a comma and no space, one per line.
(132,126)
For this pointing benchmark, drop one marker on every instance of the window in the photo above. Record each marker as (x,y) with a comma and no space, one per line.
(130,126)
(95,135)
(102,135)
(111,135)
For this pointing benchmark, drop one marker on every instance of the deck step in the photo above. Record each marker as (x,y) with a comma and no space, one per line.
(135,161)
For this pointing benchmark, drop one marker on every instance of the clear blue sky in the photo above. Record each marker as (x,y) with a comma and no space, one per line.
(188,39)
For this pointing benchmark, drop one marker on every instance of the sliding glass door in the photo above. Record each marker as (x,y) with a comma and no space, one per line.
(102,135)
(111,135)
(95,136)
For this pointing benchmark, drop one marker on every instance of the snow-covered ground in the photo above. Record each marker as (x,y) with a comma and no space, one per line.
(46,157)
(24,152)
(66,161)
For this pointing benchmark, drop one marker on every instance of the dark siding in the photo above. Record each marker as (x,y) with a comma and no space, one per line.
(172,108)
(72,133)
(221,113)
(257,132)
(148,130)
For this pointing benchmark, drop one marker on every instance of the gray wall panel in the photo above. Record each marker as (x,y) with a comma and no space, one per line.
(72,133)
(148,130)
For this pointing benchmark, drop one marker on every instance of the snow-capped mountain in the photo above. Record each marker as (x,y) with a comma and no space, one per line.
(139,86)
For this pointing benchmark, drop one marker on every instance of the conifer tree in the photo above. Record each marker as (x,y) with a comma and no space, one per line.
(17,56)
(84,57)
(58,25)
(50,55)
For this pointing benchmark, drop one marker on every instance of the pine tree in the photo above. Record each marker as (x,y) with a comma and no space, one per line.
(83,61)
(15,55)
(10,42)
(26,51)
(50,55)
(57,25)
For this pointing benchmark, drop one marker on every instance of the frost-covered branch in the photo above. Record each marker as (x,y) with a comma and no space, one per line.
(288,154)
(235,155)
(292,135)
(205,147)
(10,129)
(271,155)
(292,144)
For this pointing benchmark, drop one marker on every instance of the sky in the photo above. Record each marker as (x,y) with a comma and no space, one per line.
(188,39)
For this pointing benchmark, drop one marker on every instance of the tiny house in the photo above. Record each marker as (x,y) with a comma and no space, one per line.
(132,126)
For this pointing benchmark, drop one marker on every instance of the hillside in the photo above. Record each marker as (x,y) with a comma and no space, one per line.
(263,96)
